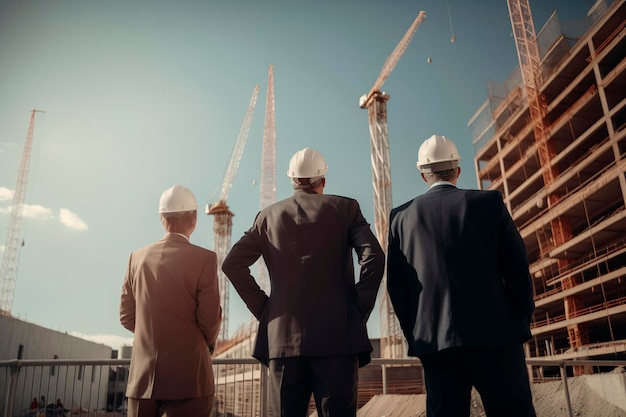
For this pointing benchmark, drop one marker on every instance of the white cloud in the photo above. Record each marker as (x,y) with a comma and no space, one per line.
(116,342)
(6,194)
(32,211)
(35,211)
(71,220)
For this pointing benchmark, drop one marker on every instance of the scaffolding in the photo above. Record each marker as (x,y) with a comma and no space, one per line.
(570,207)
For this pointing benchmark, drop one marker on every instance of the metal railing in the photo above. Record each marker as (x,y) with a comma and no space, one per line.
(94,388)
(571,363)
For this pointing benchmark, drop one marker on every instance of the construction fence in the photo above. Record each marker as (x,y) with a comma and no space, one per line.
(241,385)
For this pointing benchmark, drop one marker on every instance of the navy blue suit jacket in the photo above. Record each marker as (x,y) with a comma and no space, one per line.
(457,271)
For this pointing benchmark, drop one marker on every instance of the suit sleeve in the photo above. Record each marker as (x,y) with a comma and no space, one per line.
(209,310)
(127,300)
(371,259)
(236,266)
(514,264)
(397,280)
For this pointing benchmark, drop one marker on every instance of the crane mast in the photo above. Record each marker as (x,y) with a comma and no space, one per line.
(10,257)
(222,222)
(268,165)
(268,161)
(392,345)
(530,67)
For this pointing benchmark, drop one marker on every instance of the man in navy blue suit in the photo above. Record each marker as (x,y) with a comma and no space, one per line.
(458,279)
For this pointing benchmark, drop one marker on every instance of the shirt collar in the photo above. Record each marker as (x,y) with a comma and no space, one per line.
(442,183)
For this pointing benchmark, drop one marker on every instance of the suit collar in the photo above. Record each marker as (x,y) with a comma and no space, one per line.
(442,186)
(176,237)
(305,191)
(439,183)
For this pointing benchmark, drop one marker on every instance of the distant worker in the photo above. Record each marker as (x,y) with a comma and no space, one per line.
(34,404)
(312,327)
(170,301)
(59,407)
(458,279)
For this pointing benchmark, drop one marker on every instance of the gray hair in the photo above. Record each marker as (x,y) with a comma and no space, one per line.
(306,183)
(176,214)
(180,221)
(446,175)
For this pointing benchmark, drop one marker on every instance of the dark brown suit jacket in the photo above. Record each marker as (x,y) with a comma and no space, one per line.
(315,308)
(170,300)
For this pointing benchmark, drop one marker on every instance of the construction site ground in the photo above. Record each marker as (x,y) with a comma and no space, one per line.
(600,395)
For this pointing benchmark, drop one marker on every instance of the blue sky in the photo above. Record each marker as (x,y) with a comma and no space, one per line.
(141,95)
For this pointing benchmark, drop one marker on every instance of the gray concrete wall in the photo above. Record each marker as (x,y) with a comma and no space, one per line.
(75,386)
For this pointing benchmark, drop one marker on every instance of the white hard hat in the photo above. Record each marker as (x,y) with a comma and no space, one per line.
(177,199)
(307,163)
(437,153)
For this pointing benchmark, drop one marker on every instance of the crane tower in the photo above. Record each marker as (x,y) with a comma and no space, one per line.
(10,257)
(530,68)
(376,104)
(268,165)
(222,222)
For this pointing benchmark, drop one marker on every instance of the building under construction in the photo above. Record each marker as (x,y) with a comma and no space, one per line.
(566,191)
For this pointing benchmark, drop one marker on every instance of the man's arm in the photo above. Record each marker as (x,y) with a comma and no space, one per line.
(127,300)
(398,280)
(516,274)
(209,310)
(236,266)
(371,258)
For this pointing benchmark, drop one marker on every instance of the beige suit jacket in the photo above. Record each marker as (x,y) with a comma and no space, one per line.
(171,302)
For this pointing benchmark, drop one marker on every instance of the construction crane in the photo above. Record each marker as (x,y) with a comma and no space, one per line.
(268,165)
(222,222)
(247,332)
(376,104)
(530,67)
(10,257)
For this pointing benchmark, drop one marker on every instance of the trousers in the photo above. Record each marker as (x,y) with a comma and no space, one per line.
(331,380)
(499,375)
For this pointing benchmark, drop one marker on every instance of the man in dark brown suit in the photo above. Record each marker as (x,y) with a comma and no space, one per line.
(312,327)
(171,302)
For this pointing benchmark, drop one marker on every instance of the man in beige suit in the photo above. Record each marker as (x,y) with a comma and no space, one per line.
(170,301)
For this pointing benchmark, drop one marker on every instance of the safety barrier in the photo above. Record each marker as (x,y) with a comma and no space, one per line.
(95,388)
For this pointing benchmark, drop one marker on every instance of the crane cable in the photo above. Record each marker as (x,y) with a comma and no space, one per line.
(428,59)
(452,37)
